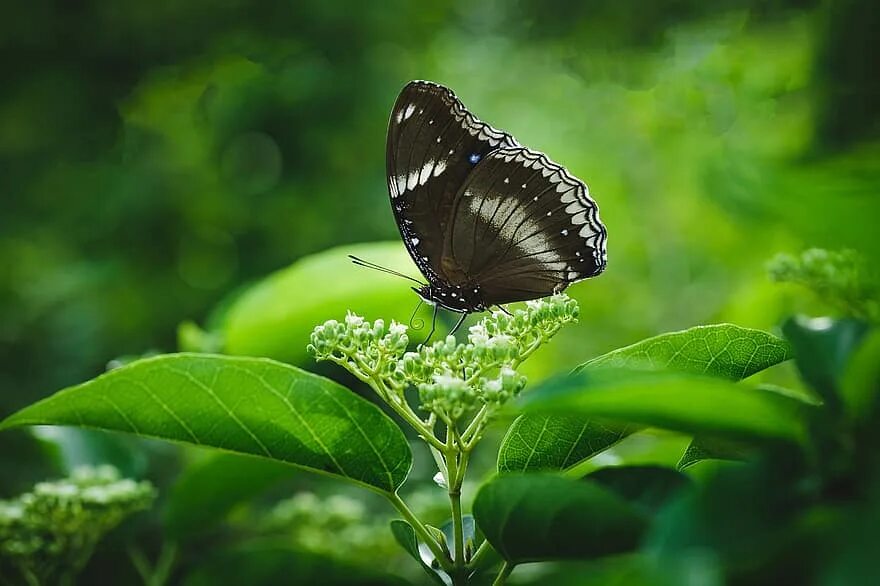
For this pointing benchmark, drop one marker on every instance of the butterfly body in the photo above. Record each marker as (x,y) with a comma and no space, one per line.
(486,220)
(464,298)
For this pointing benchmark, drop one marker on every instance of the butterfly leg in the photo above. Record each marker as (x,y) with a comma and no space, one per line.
(504,309)
(458,325)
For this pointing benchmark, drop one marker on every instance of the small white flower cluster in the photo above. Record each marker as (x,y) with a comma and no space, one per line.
(50,531)
(842,278)
(360,345)
(453,378)
(336,525)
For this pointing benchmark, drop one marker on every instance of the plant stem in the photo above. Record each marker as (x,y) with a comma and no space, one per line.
(505,571)
(474,427)
(29,576)
(402,408)
(422,531)
(456,464)
(458,533)
(140,563)
(158,575)
(164,564)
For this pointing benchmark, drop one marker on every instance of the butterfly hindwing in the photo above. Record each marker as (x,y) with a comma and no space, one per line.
(433,145)
(523,227)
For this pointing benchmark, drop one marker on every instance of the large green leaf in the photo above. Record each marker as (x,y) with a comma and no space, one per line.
(722,350)
(207,491)
(251,406)
(275,317)
(559,442)
(555,442)
(533,517)
(680,402)
(711,449)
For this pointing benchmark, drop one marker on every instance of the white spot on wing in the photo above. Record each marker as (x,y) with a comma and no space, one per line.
(568,197)
(441,166)
(412,180)
(425,173)
(409,111)
(587,232)
(579,218)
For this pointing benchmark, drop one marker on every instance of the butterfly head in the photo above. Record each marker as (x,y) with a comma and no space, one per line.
(460,298)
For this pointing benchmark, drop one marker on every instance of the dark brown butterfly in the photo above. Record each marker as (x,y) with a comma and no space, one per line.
(486,220)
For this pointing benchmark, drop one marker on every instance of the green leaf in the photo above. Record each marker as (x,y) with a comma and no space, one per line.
(405,535)
(560,442)
(722,350)
(715,448)
(534,517)
(823,348)
(275,317)
(207,491)
(89,447)
(645,487)
(246,405)
(680,402)
(555,442)
(709,448)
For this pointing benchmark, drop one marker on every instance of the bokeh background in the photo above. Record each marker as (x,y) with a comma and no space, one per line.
(155,158)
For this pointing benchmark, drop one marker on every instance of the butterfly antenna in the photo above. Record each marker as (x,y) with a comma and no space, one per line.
(370,265)
(414,322)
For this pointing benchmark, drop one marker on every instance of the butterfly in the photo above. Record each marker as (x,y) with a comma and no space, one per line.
(486,220)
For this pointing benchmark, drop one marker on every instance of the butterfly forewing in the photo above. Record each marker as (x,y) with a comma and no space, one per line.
(433,145)
(522,227)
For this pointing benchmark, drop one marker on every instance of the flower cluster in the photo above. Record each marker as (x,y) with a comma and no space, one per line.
(367,349)
(335,526)
(49,533)
(842,278)
(454,379)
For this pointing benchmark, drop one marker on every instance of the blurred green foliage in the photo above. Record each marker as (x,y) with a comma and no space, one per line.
(158,158)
